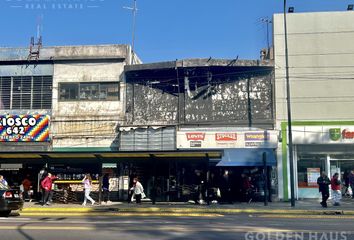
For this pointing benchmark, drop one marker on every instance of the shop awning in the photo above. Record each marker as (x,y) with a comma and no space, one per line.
(19,157)
(247,157)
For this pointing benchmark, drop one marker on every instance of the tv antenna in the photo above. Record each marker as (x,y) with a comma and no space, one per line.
(35,47)
(267,21)
(134,10)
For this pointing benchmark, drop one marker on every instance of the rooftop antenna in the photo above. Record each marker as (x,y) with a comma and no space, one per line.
(35,47)
(134,10)
(267,21)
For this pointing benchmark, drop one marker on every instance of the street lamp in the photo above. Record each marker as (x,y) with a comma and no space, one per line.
(290,137)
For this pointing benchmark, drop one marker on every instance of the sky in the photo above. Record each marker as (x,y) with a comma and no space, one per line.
(166,30)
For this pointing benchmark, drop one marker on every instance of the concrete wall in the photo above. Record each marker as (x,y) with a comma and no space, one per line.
(321,60)
(87,123)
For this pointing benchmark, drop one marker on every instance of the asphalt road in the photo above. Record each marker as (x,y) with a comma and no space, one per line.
(248,227)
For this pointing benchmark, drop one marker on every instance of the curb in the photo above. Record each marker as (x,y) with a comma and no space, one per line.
(188,210)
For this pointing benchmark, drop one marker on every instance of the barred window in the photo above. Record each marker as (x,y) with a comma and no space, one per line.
(26,92)
(102,91)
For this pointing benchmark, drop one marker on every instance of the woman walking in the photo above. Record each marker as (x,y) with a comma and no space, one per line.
(336,189)
(138,191)
(87,181)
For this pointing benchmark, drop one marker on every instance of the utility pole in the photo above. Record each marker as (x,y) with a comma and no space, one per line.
(290,135)
(134,10)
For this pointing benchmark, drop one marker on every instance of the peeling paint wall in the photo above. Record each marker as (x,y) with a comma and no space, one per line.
(232,99)
(86,123)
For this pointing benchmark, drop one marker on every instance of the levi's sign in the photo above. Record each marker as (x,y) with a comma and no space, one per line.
(195,136)
(225,136)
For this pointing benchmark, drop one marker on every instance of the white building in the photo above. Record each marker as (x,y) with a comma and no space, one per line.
(321,63)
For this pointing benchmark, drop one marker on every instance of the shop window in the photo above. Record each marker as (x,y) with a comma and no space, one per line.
(105,91)
(309,167)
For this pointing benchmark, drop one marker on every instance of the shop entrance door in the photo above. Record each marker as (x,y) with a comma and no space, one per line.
(343,167)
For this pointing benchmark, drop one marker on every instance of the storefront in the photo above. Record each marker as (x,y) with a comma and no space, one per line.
(320,147)
(248,154)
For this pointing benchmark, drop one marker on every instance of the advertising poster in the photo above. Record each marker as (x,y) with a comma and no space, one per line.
(312,175)
(24,128)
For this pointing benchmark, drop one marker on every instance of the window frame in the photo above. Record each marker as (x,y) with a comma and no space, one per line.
(79,86)
(25,93)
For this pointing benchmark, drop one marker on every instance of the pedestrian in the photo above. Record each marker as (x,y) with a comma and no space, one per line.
(46,185)
(87,181)
(138,190)
(105,188)
(336,189)
(323,187)
(27,185)
(351,181)
(3,183)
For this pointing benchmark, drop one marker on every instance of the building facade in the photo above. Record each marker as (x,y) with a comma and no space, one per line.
(204,104)
(321,95)
(70,99)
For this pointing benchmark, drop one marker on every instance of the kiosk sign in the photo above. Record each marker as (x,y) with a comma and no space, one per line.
(24,128)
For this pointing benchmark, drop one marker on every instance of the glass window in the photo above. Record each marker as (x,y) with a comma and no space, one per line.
(109,91)
(69,91)
(89,91)
(307,162)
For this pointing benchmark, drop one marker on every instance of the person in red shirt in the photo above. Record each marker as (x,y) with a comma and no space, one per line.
(46,185)
(336,189)
(27,185)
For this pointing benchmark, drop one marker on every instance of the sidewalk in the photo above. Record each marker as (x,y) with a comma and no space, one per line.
(302,207)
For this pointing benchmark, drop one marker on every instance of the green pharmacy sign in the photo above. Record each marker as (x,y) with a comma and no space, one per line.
(334,134)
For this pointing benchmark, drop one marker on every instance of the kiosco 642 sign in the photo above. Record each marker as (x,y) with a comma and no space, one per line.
(24,128)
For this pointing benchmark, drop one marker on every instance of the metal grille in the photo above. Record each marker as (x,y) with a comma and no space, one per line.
(26,92)
(148,139)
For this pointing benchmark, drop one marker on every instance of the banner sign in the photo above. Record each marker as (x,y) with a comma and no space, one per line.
(187,139)
(323,134)
(24,128)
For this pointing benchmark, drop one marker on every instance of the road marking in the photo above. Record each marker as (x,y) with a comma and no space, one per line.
(46,228)
(306,217)
(14,219)
(105,214)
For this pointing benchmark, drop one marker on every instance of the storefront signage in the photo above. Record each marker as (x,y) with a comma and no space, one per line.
(323,134)
(195,136)
(334,134)
(227,138)
(256,136)
(24,128)
(346,134)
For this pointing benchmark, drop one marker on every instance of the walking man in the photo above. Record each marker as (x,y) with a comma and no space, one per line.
(336,189)
(46,185)
(323,183)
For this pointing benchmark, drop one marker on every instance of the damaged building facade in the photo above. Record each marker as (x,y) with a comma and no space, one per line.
(189,129)
(60,107)
(203,104)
